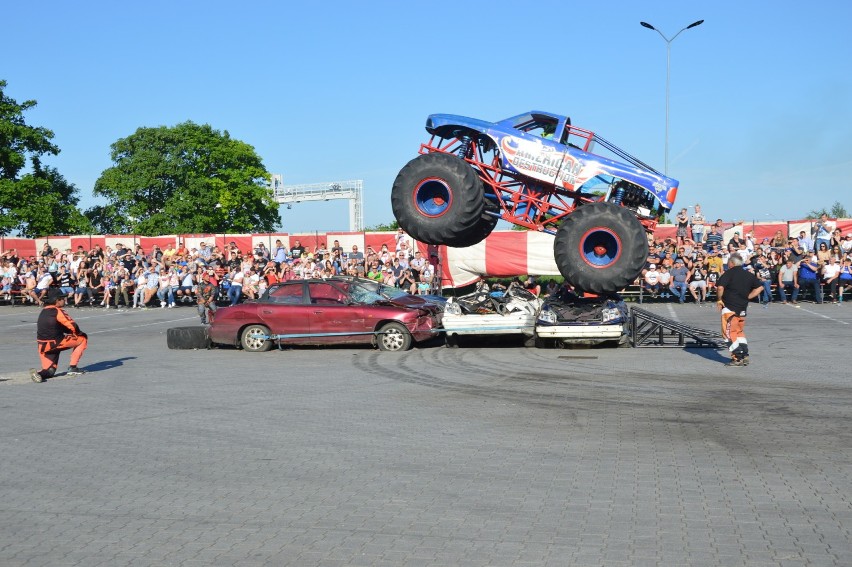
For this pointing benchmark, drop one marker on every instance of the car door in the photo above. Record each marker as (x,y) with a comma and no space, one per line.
(332,311)
(286,311)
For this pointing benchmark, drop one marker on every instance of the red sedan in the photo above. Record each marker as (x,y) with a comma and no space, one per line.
(318,312)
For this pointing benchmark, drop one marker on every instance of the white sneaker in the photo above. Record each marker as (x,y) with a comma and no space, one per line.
(162,306)
(171,305)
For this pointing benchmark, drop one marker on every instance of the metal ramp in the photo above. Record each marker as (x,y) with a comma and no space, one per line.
(651,330)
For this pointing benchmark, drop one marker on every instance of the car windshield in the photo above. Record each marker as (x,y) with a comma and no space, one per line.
(391,292)
(361,294)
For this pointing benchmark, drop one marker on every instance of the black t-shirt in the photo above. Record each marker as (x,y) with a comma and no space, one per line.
(738,283)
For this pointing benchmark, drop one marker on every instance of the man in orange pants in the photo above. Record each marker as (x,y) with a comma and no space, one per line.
(734,289)
(57,331)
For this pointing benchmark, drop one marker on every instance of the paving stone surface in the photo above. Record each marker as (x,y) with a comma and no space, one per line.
(468,456)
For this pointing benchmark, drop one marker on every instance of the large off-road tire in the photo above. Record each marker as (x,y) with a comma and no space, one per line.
(600,248)
(253,339)
(438,199)
(187,338)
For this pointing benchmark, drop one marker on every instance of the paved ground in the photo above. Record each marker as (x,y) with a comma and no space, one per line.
(471,456)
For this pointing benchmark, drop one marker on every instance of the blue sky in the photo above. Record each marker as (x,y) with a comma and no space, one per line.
(760,111)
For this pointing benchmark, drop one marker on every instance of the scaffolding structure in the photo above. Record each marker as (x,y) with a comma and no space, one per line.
(353,190)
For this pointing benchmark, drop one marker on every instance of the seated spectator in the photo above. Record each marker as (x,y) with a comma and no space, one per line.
(406,282)
(831,277)
(698,281)
(651,281)
(679,277)
(764,275)
(822,253)
(845,278)
(788,281)
(187,285)
(387,276)
(44,281)
(846,245)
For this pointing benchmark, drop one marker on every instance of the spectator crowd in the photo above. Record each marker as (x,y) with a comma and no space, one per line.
(109,277)
(818,263)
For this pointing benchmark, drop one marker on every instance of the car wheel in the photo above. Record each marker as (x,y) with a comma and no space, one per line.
(254,338)
(600,248)
(438,199)
(451,340)
(393,337)
(541,343)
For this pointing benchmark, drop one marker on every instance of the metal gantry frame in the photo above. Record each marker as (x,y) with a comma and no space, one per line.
(353,190)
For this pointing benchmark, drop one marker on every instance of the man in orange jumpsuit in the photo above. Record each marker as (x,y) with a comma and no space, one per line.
(57,331)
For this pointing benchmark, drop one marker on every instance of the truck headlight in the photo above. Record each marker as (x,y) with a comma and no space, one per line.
(452,308)
(547,316)
(610,314)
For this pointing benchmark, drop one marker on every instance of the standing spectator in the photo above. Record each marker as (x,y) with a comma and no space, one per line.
(297,249)
(682,224)
(697,222)
(809,270)
(124,287)
(713,240)
(165,293)
(139,292)
(805,242)
(57,331)
(788,280)
(280,254)
(735,288)
(206,293)
(235,291)
(778,241)
(764,275)
(680,275)
(823,230)
(261,253)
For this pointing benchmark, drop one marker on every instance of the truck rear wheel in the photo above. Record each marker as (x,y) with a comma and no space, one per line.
(438,199)
(600,248)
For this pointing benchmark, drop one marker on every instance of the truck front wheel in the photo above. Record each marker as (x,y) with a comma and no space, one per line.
(600,248)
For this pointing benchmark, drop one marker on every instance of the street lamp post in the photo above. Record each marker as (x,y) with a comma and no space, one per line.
(668,74)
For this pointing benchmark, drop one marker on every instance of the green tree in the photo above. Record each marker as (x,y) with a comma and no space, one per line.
(388,227)
(837,211)
(183,179)
(40,201)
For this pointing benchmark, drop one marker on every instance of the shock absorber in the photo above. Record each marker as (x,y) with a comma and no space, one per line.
(618,194)
(464,148)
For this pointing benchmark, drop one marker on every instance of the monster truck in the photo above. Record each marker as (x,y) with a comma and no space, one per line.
(538,171)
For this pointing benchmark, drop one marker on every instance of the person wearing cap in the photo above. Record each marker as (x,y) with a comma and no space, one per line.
(57,331)
(680,275)
(734,289)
